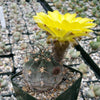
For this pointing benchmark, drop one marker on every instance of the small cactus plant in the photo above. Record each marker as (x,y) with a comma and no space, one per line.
(58,5)
(85,8)
(41,65)
(4,48)
(94,11)
(97,21)
(98,38)
(72,6)
(94,90)
(64,10)
(94,2)
(85,0)
(97,14)
(73,53)
(98,7)
(17,36)
(95,44)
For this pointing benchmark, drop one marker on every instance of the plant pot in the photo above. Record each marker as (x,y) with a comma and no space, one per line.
(70,94)
(27,0)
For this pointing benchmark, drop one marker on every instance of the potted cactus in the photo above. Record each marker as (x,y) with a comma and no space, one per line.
(44,69)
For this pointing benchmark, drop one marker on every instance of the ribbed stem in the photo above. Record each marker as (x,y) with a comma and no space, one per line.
(59,49)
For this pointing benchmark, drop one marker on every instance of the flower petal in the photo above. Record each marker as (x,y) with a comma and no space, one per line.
(64,27)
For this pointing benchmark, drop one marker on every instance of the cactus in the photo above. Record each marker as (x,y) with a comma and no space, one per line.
(95,45)
(3,83)
(16,36)
(63,0)
(1,51)
(7,48)
(94,90)
(96,87)
(42,72)
(0,37)
(58,5)
(98,7)
(82,15)
(13,5)
(98,38)
(90,93)
(64,10)
(79,10)
(77,2)
(72,6)
(81,4)
(85,0)
(72,53)
(97,14)
(94,2)
(85,8)
(23,46)
(45,66)
(98,21)
(72,0)
(97,93)
(83,68)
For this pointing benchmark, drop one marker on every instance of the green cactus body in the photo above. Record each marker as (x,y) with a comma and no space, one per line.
(95,45)
(58,5)
(97,21)
(98,38)
(42,72)
(98,7)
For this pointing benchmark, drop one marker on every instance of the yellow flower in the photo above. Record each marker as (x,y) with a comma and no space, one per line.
(64,27)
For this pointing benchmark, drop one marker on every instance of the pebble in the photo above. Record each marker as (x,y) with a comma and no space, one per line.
(62,86)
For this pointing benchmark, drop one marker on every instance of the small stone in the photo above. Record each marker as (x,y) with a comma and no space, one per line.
(3,83)
(62,86)
(24,89)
